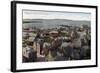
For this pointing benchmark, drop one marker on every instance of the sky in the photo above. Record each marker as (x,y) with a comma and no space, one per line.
(36,14)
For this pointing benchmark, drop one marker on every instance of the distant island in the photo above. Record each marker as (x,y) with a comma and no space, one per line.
(51,23)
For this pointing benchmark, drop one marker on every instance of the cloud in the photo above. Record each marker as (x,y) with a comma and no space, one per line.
(37,14)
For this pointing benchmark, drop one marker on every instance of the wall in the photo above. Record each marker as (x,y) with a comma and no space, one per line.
(5,36)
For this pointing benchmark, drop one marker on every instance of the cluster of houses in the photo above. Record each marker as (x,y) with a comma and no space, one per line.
(56,44)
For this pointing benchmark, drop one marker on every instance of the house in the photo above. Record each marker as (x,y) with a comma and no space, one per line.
(53,33)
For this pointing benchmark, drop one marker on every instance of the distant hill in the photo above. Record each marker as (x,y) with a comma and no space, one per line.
(51,23)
